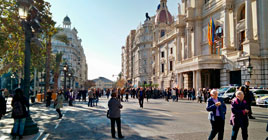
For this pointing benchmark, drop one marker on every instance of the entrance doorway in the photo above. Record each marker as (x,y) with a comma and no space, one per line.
(235,77)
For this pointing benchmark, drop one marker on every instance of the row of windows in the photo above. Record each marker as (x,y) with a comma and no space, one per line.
(163,52)
(163,67)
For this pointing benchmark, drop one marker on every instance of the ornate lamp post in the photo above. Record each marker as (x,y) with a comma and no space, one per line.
(70,76)
(249,68)
(28,15)
(65,69)
(12,77)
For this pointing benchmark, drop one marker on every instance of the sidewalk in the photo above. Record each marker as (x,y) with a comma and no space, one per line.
(39,113)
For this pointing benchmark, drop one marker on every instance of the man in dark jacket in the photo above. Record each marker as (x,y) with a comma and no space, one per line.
(19,113)
(141,95)
(114,114)
(2,106)
(217,111)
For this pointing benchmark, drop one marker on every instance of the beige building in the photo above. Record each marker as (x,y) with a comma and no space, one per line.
(103,83)
(73,54)
(181,54)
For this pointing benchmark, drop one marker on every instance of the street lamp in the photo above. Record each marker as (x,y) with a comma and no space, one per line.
(249,68)
(70,75)
(12,77)
(65,69)
(28,15)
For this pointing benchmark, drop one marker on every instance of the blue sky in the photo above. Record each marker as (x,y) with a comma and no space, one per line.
(103,26)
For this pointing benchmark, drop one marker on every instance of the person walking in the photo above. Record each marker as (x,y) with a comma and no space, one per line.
(248,97)
(6,94)
(205,94)
(199,95)
(173,93)
(217,111)
(141,95)
(49,97)
(239,116)
(3,106)
(127,94)
(19,113)
(90,97)
(114,115)
(148,91)
(71,97)
(59,103)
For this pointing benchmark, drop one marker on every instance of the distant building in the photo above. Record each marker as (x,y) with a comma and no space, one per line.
(73,54)
(103,83)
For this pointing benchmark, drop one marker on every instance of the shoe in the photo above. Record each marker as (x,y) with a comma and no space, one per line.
(114,137)
(251,117)
(121,137)
(21,137)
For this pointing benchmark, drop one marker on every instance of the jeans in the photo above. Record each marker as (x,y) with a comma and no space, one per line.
(90,102)
(217,127)
(19,126)
(141,102)
(235,132)
(118,123)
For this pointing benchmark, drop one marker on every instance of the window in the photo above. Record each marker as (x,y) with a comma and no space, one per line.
(162,33)
(242,37)
(153,71)
(206,1)
(163,68)
(171,50)
(171,66)
(216,49)
(242,13)
(162,54)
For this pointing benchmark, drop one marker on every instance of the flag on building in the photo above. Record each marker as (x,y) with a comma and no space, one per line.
(211,30)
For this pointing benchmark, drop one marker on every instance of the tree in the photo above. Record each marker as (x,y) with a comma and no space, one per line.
(57,71)
(120,83)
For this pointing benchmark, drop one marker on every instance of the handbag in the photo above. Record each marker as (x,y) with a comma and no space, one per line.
(108,114)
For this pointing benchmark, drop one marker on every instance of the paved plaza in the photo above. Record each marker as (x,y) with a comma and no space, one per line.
(158,120)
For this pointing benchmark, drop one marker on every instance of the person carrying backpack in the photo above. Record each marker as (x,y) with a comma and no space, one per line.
(19,113)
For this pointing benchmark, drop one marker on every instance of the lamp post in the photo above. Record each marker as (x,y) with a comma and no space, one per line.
(28,15)
(249,68)
(12,77)
(69,75)
(65,69)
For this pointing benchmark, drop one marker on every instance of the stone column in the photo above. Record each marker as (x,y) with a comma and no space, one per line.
(189,40)
(248,24)
(181,81)
(226,28)
(198,80)
(194,80)
(179,56)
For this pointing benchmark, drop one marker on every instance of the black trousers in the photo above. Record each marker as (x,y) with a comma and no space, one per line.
(118,123)
(217,127)
(141,102)
(59,112)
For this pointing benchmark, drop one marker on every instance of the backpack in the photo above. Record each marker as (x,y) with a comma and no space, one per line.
(18,110)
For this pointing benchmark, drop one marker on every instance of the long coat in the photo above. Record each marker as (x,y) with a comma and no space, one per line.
(239,117)
(60,99)
(114,108)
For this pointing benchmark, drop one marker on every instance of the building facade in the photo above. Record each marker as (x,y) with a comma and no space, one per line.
(181,55)
(73,55)
(103,83)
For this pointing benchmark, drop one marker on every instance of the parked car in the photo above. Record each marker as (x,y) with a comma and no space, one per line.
(226,93)
(258,93)
(262,101)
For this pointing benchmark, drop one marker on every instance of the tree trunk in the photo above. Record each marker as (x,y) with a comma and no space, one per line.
(48,55)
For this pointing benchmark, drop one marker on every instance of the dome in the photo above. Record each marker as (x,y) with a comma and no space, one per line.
(67,21)
(163,16)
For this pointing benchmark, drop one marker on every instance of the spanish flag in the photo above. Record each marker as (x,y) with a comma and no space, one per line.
(211,31)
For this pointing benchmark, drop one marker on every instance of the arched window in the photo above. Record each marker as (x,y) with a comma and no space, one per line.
(242,13)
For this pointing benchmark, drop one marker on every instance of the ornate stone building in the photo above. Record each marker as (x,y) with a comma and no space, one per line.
(73,54)
(182,57)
